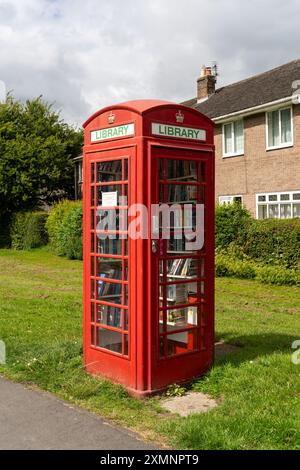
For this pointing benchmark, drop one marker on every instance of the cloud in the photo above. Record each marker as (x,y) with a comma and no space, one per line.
(85,55)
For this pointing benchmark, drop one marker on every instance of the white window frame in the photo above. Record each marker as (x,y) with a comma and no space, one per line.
(232,154)
(230,199)
(279,202)
(285,144)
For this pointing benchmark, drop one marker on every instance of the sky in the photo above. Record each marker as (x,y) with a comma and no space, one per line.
(82,55)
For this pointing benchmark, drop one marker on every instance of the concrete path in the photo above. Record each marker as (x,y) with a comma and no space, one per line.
(39,421)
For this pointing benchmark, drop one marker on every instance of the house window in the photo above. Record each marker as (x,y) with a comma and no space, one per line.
(225,200)
(233,138)
(278,205)
(279,128)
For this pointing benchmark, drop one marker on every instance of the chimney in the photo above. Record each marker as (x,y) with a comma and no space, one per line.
(206,83)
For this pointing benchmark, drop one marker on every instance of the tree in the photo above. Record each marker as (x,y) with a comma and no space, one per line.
(36,152)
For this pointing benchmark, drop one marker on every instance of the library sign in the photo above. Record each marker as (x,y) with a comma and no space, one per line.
(125,130)
(167,130)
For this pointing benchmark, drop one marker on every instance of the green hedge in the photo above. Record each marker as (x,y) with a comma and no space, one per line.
(272,242)
(227,266)
(64,226)
(275,242)
(28,230)
(231,223)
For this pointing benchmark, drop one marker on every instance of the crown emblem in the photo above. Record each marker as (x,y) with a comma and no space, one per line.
(111,118)
(179,117)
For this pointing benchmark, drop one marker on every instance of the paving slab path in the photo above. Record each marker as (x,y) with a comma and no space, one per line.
(36,420)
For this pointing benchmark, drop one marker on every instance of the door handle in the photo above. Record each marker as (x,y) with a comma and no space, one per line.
(154,246)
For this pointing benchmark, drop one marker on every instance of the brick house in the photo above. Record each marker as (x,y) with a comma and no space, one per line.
(257,138)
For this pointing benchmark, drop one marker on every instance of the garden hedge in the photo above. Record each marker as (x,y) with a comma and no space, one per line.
(64,226)
(28,230)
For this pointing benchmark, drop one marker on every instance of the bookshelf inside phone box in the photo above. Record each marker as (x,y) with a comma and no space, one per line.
(148,245)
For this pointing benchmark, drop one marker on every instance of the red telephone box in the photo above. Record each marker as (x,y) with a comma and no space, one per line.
(148,294)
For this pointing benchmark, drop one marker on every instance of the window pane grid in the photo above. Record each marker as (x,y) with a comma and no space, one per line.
(179,293)
(278,205)
(109,260)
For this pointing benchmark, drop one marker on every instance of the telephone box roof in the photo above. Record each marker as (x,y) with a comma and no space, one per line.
(140,107)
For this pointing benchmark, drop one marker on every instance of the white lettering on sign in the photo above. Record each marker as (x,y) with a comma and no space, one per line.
(110,199)
(168,130)
(125,130)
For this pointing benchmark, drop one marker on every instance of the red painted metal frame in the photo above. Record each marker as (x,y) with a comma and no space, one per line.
(143,371)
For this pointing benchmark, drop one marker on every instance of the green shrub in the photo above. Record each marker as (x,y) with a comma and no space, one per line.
(64,226)
(55,219)
(231,223)
(70,234)
(228,267)
(28,230)
(275,242)
(245,269)
(278,276)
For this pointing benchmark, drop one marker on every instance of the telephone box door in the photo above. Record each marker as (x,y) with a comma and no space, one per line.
(182,277)
(109,326)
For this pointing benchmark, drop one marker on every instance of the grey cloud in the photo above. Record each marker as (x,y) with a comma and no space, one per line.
(85,55)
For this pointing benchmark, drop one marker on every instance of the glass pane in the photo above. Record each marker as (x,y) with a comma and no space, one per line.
(125,345)
(273,197)
(126,320)
(92,172)
(182,342)
(92,196)
(109,292)
(296,196)
(262,211)
(92,289)
(176,246)
(161,170)
(109,171)
(228,138)
(111,340)
(273,211)
(273,128)
(296,210)
(284,197)
(93,335)
(182,193)
(110,316)
(262,198)
(239,136)
(126,170)
(113,219)
(182,170)
(108,246)
(180,319)
(109,268)
(285,211)
(182,268)
(109,195)
(125,294)
(180,294)
(286,126)
(92,312)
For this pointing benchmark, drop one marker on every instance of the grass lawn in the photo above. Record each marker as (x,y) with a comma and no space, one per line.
(258,387)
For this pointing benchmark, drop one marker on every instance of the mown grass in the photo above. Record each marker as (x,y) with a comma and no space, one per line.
(257,386)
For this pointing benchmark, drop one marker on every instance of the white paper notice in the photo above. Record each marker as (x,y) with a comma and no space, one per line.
(110,199)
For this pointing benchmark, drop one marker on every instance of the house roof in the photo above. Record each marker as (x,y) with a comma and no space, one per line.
(254,91)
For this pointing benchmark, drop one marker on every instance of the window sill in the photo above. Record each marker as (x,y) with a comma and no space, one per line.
(279,147)
(232,155)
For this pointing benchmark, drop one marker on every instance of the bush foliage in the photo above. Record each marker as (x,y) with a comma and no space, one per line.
(64,226)
(231,223)
(226,266)
(28,230)
(272,242)
(36,149)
